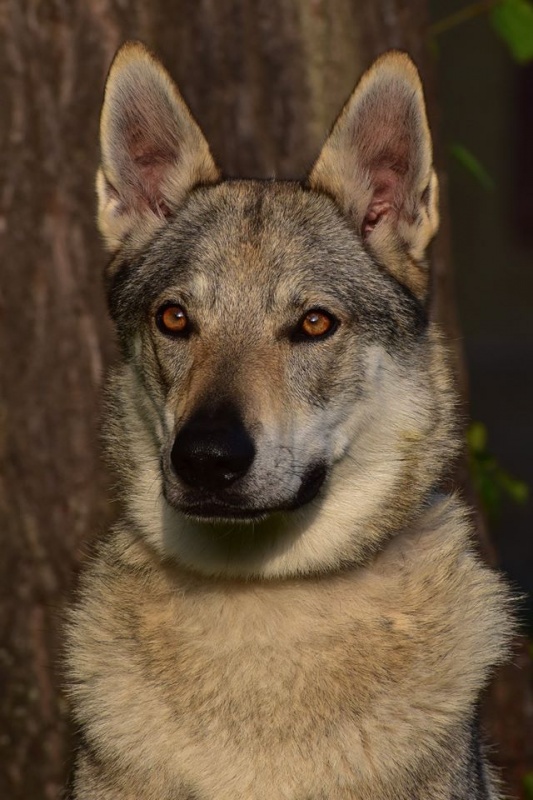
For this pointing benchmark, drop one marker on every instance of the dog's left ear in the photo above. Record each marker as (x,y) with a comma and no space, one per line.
(152,150)
(377,166)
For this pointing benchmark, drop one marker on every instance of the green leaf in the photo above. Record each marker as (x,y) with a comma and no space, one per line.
(477,437)
(491,482)
(513,21)
(472,165)
(528,785)
(516,490)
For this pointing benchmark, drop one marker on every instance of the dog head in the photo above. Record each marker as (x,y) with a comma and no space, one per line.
(283,403)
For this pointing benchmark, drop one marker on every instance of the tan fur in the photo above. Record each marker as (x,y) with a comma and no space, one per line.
(331,648)
(277,689)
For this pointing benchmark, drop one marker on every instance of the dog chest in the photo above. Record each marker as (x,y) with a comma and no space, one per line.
(237,689)
(238,693)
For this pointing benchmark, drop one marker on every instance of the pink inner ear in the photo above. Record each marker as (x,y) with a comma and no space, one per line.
(386,201)
(152,166)
(151,161)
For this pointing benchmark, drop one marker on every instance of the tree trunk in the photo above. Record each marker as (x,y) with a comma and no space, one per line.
(265,79)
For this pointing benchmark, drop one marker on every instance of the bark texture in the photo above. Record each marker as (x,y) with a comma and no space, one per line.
(265,79)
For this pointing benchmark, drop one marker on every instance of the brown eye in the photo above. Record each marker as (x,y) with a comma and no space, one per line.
(315,325)
(172,320)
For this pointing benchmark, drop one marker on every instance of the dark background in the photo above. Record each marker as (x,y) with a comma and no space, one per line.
(486,103)
(265,79)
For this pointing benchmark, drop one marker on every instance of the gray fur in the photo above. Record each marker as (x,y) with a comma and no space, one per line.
(326,648)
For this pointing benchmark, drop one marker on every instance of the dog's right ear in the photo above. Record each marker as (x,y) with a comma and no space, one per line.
(152,150)
(377,166)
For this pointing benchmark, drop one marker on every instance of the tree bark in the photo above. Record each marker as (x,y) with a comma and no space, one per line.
(265,79)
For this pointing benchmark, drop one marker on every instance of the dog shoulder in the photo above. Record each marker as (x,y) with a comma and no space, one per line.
(453,592)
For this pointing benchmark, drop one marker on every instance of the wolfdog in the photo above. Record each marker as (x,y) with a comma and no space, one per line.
(288,609)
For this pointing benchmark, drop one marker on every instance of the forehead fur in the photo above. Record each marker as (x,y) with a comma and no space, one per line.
(268,244)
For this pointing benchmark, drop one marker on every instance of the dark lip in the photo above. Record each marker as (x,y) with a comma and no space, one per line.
(311,484)
(217,510)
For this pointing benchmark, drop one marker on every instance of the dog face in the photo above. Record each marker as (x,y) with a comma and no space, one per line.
(283,402)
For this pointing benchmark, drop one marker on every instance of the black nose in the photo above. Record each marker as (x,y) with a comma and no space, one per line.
(213,449)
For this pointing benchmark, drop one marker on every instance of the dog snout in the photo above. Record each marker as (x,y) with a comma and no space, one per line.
(212,450)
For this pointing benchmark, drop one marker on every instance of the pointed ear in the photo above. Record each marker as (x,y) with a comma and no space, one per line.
(377,166)
(152,150)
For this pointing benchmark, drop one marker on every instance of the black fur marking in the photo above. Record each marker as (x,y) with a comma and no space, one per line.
(472,783)
(478,761)
(81,745)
